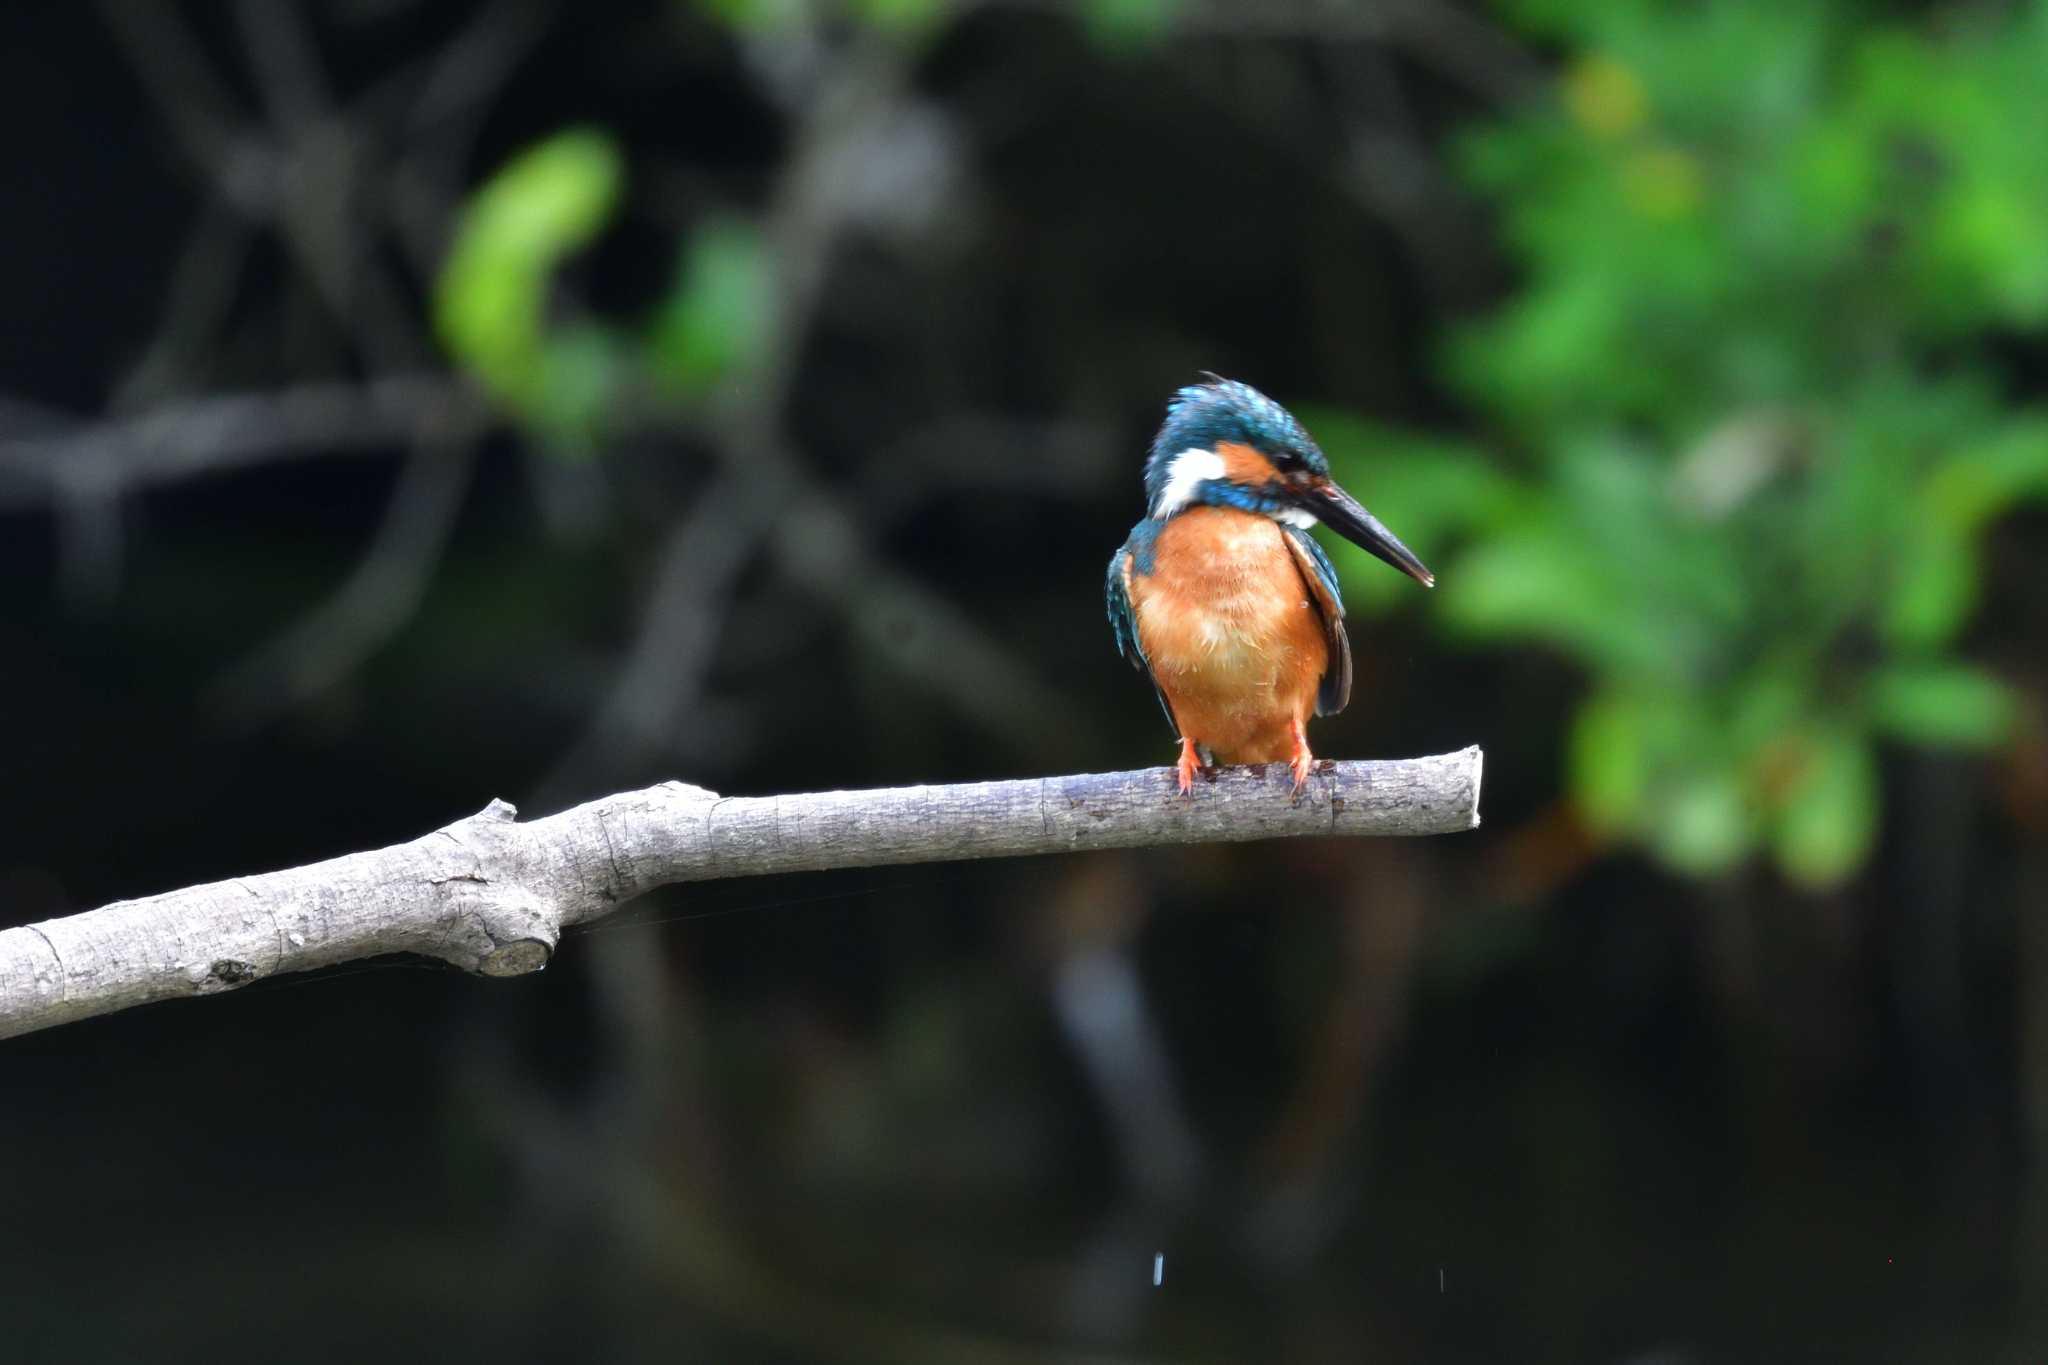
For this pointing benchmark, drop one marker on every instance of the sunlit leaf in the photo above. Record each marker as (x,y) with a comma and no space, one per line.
(901,14)
(1828,822)
(1706,828)
(1935,587)
(1610,761)
(1768,700)
(1980,481)
(1432,486)
(581,372)
(716,319)
(757,15)
(1604,96)
(1775,268)
(1662,183)
(1940,704)
(1546,586)
(1126,24)
(490,301)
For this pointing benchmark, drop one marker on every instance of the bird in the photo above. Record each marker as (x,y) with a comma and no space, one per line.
(1223,598)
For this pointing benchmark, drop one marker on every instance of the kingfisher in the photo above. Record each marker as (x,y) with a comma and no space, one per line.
(1223,598)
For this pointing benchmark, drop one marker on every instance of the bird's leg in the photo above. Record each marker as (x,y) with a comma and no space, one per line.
(1303,761)
(1187,766)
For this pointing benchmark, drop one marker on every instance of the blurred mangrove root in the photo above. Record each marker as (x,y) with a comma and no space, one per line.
(491,895)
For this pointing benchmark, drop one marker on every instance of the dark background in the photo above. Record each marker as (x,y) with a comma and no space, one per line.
(827,422)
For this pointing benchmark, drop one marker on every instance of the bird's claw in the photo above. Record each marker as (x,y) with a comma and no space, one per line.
(1303,763)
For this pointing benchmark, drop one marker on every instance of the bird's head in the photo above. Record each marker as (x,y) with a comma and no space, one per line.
(1225,444)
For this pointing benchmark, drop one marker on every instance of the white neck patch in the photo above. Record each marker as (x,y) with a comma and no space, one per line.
(1194,467)
(1190,468)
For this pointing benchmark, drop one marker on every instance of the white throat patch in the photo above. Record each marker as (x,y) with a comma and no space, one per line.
(1190,468)
(1194,467)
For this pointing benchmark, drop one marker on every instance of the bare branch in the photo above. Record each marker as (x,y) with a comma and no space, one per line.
(822,548)
(200,436)
(378,599)
(302,175)
(198,298)
(440,122)
(281,54)
(468,74)
(818,542)
(88,545)
(662,678)
(195,101)
(492,896)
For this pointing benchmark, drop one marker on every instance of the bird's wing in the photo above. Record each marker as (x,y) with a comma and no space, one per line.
(1319,576)
(1123,620)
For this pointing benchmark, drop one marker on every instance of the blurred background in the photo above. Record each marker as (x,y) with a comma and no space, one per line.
(404,404)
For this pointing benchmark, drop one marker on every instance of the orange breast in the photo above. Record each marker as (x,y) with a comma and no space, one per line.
(1230,633)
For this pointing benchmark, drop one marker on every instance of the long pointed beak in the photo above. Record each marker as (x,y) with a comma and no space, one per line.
(1343,514)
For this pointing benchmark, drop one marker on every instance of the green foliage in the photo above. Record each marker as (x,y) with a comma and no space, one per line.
(1753,425)
(762,16)
(715,320)
(1940,703)
(1125,25)
(491,301)
(901,14)
(1117,25)
(756,15)
(565,378)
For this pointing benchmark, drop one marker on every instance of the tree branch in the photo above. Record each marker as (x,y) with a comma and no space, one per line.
(199,437)
(491,895)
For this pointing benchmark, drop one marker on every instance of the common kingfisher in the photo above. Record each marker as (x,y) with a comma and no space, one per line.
(1222,597)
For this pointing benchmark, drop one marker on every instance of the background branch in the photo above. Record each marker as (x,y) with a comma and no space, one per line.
(196,438)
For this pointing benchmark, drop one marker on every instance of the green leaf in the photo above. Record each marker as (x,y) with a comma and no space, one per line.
(1945,705)
(1975,484)
(1705,828)
(1610,761)
(1766,703)
(582,370)
(1123,25)
(754,15)
(1935,587)
(1828,821)
(1800,243)
(716,319)
(490,301)
(899,14)
(1431,487)
(1546,584)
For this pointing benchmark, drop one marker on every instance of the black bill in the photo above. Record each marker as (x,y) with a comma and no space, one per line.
(1342,513)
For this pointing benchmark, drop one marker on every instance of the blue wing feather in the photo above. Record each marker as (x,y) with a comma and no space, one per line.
(1320,577)
(1123,620)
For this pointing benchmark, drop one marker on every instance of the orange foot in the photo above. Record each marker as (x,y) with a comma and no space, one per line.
(1303,761)
(1187,766)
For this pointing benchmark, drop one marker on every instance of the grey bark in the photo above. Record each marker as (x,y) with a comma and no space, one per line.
(492,895)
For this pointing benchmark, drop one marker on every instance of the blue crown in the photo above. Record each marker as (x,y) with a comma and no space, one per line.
(1201,416)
